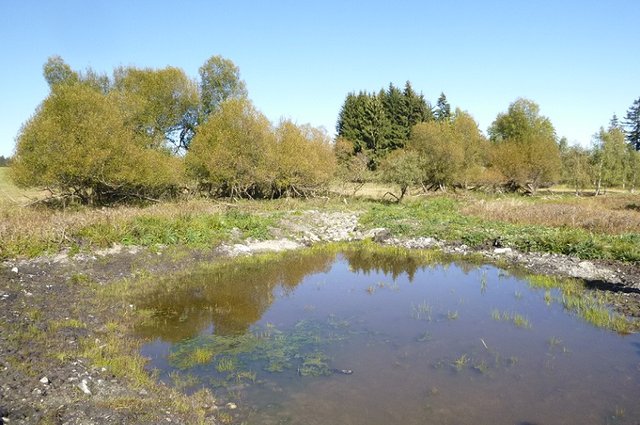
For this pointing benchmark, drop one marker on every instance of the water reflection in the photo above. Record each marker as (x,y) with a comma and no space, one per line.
(229,297)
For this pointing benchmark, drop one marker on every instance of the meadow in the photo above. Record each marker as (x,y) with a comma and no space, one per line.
(589,227)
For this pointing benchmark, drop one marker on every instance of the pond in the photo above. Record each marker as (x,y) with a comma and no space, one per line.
(366,337)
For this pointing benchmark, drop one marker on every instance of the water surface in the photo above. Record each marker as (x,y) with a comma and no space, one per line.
(437,344)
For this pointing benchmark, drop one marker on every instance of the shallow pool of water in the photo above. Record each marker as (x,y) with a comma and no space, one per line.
(356,338)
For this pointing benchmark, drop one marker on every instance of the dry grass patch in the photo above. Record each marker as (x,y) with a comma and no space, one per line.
(10,194)
(614,214)
(29,231)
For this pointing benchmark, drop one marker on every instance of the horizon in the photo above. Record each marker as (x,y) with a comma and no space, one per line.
(299,61)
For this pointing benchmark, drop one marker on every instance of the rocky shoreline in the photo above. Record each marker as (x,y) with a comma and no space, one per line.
(45,308)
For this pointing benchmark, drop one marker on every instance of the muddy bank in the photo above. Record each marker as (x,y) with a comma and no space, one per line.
(54,325)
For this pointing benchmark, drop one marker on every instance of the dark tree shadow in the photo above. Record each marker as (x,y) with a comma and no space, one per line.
(601,285)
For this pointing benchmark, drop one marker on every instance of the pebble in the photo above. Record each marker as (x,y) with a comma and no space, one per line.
(14,269)
(45,380)
(231,406)
(84,387)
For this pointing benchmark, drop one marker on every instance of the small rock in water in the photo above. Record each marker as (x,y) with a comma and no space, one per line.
(45,380)
(232,406)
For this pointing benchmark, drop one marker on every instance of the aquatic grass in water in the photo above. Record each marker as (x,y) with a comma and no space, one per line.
(421,311)
(276,350)
(515,318)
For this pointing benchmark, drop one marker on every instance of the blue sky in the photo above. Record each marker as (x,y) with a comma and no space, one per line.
(579,60)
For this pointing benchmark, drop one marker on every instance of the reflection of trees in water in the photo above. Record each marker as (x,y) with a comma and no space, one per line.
(395,261)
(388,261)
(231,297)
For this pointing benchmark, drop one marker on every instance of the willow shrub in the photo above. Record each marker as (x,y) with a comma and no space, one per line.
(77,145)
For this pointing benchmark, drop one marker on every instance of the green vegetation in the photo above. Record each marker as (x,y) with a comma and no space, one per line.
(593,307)
(188,230)
(374,124)
(421,311)
(442,218)
(632,124)
(297,349)
(98,140)
(517,319)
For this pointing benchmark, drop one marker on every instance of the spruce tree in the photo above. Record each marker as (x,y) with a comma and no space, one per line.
(417,107)
(632,125)
(443,109)
(396,108)
(614,122)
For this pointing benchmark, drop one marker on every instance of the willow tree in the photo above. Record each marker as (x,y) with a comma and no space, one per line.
(78,144)
(524,147)
(232,152)
(304,161)
(159,104)
(219,81)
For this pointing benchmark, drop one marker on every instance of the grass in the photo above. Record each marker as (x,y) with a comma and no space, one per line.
(451,218)
(591,306)
(517,319)
(611,214)
(10,194)
(461,362)
(29,232)
(606,227)
(421,311)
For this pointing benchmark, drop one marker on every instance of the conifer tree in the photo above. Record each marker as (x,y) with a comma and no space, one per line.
(632,125)
(443,109)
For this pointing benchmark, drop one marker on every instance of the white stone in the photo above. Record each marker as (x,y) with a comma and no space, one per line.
(84,387)
(232,406)
(503,250)
(45,380)
(14,269)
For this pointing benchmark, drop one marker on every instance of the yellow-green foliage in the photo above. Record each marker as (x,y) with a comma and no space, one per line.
(440,153)
(525,150)
(155,101)
(78,142)
(304,159)
(236,153)
(231,152)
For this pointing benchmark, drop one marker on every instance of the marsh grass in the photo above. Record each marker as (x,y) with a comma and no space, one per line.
(460,362)
(421,311)
(183,381)
(449,218)
(66,323)
(517,319)
(226,364)
(33,231)
(119,356)
(591,306)
(609,214)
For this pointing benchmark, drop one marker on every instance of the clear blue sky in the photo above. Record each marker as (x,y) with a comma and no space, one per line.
(579,60)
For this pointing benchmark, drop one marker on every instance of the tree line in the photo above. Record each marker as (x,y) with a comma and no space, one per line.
(438,149)
(149,133)
(144,133)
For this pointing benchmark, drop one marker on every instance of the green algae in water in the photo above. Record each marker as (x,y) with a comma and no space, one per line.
(273,350)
